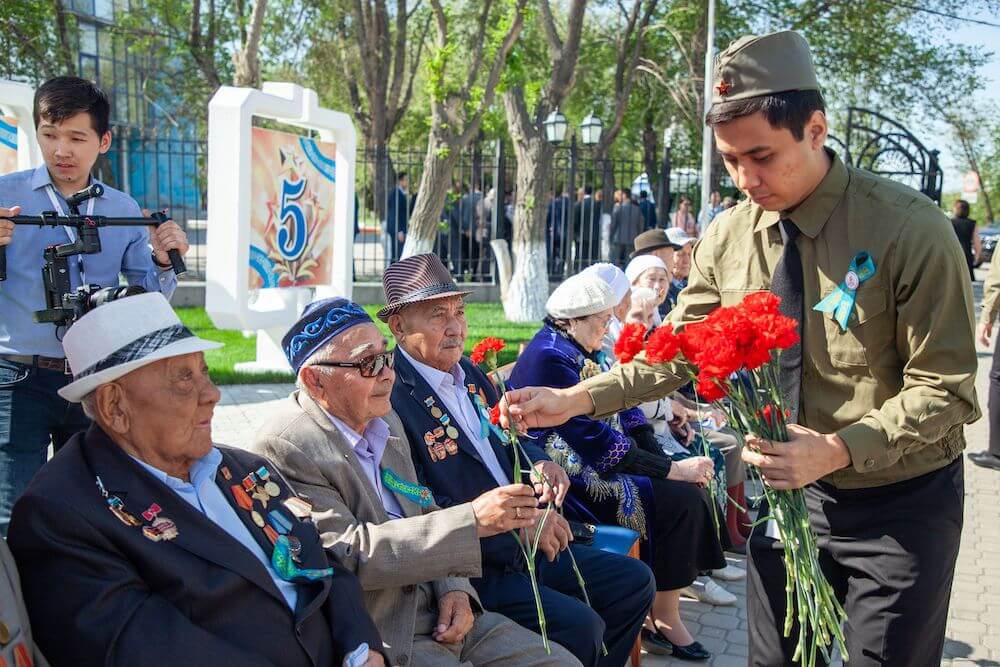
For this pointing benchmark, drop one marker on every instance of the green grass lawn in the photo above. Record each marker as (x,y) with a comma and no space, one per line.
(485,319)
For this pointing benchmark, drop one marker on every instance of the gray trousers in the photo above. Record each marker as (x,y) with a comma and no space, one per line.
(493,641)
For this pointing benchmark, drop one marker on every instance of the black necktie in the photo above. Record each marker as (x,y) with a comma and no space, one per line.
(787,284)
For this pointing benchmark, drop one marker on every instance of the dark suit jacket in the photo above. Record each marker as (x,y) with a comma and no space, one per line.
(100,593)
(587,228)
(626,223)
(648,213)
(397,212)
(463,476)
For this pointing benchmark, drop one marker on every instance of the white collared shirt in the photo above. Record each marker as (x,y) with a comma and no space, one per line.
(450,388)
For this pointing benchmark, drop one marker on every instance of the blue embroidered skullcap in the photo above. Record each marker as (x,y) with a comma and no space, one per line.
(320,321)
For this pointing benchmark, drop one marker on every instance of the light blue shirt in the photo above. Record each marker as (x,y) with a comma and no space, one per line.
(124,250)
(369,449)
(450,388)
(203,494)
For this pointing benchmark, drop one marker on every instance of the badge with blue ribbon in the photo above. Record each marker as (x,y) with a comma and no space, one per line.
(840,301)
(485,425)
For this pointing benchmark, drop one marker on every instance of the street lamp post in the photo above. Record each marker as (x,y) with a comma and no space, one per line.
(555,127)
(706,137)
(663,196)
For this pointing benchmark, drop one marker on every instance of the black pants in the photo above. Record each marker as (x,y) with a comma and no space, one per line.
(620,590)
(684,538)
(889,553)
(994,403)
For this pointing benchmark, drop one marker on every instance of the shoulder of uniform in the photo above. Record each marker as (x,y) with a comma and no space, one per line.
(733,221)
(890,195)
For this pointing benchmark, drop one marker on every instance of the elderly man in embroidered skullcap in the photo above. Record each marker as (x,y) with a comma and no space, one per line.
(338,442)
(142,542)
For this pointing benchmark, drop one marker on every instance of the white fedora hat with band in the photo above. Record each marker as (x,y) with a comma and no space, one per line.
(121,336)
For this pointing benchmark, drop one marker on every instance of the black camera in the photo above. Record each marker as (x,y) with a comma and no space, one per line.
(64,305)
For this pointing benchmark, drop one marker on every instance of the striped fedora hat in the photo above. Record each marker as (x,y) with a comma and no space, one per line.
(414,279)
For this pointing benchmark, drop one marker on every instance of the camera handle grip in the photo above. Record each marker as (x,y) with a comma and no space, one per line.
(3,263)
(176,261)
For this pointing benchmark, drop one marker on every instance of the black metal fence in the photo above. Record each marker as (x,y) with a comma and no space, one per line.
(165,168)
(480,207)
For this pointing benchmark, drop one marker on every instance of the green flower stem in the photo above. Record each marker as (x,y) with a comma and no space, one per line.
(809,598)
(529,549)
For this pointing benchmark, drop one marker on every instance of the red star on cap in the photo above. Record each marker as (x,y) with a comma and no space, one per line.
(723,88)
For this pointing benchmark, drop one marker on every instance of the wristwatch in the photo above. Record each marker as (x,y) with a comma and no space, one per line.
(168,265)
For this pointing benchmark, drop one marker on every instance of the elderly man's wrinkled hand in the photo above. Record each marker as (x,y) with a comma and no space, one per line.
(455,617)
(551,482)
(556,535)
(505,508)
(6,226)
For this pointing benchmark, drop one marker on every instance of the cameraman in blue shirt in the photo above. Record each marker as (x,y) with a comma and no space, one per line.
(72,121)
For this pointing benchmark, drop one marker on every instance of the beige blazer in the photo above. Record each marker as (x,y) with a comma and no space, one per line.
(13,615)
(393,559)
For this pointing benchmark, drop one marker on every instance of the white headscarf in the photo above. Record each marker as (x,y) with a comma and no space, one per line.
(612,275)
(641,264)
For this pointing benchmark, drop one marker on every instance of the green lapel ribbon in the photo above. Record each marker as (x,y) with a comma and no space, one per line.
(421,495)
(281,560)
(840,301)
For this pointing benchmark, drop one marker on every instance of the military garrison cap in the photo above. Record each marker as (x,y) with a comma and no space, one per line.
(754,66)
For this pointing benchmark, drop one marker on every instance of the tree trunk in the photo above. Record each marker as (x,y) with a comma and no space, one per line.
(431,195)
(62,32)
(529,285)
(650,159)
(247,66)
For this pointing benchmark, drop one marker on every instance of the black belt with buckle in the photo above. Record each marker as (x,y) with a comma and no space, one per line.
(38,361)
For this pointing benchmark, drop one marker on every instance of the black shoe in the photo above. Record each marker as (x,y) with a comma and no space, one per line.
(985,460)
(656,643)
(693,651)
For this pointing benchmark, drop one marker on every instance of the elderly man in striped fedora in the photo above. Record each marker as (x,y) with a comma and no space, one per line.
(441,398)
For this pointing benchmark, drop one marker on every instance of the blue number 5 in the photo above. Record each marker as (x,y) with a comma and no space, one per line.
(292,243)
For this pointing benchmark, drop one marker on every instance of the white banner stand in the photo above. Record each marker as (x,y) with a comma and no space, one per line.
(18,100)
(228,299)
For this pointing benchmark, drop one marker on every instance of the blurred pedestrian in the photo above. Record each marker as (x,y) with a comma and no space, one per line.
(967,233)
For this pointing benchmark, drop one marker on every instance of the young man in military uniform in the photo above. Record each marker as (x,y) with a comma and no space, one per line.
(880,394)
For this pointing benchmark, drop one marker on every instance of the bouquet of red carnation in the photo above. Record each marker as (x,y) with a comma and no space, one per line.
(733,361)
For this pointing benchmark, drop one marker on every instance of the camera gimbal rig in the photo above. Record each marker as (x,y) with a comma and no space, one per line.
(63,304)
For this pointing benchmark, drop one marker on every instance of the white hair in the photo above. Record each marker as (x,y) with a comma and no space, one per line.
(89,405)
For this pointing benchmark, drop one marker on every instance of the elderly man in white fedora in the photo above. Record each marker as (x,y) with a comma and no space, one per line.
(339,444)
(142,542)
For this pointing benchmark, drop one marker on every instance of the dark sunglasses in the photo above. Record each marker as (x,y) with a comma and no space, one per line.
(368,367)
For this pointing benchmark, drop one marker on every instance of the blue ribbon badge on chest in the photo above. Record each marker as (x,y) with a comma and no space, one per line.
(840,301)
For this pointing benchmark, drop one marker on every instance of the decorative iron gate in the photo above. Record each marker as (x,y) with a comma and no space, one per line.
(882,146)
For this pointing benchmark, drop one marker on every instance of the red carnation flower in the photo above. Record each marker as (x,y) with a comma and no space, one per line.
(485,349)
(663,345)
(495,414)
(710,389)
(630,341)
(761,303)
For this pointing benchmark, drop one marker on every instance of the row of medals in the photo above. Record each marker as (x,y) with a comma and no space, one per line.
(438,450)
(255,486)
(259,486)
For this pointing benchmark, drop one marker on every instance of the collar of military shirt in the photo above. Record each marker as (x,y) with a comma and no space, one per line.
(812,214)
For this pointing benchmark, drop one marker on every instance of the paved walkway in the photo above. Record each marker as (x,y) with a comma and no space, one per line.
(974,618)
